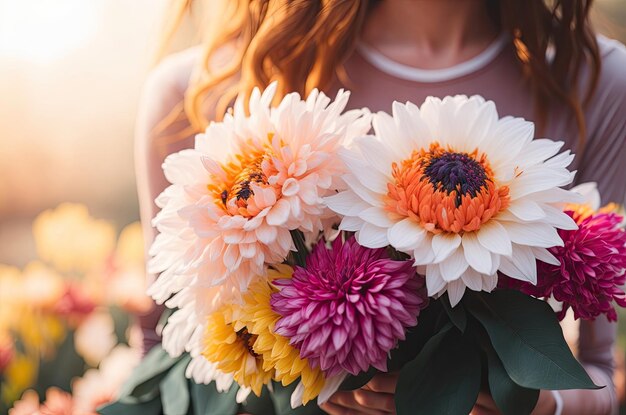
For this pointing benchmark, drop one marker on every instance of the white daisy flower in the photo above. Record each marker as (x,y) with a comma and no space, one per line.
(465,193)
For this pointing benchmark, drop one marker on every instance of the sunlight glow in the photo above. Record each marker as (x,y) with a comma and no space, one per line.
(45,30)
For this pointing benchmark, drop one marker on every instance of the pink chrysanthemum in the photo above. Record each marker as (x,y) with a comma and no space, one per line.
(349,307)
(591,271)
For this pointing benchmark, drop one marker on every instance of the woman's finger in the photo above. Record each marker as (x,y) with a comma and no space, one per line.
(376,400)
(347,400)
(332,409)
(384,382)
(485,404)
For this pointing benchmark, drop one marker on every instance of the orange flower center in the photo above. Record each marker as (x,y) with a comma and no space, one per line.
(235,194)
(446,191)
(241,191)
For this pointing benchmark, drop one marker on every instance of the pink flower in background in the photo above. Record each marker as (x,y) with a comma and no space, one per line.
(349,307)
(58,402)
(75,302)
(101,386)
(28,404)
(6,354)
(591,271)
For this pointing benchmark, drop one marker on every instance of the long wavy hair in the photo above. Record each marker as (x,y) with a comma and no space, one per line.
(303,44)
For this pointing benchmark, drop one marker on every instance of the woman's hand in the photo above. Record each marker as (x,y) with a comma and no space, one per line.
(485,405)
(375,398)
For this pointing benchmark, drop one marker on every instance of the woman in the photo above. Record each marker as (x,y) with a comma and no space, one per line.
(537,62)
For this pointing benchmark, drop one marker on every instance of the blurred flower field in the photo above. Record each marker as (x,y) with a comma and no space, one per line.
(67,319)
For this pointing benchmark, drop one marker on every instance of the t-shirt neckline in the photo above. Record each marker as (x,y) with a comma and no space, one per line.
(411,73)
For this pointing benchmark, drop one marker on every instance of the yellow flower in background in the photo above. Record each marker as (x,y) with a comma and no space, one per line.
(130,246)
(257,316)
(230,349)
(127,286)
(18,376)
(10,294)
(41,333)
(71,240)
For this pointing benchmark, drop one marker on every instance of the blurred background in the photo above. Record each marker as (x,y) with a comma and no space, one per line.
(71,73)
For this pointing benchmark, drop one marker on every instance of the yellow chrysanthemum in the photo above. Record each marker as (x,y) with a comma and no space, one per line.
(230,348)
(258,317)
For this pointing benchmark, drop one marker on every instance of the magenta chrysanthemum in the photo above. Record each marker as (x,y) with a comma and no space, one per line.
(591,274)
(349,307)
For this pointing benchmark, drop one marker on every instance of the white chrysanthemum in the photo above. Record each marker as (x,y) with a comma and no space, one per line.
(235,197)
(462,191)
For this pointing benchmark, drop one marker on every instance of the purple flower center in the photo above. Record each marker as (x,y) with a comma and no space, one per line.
(456,172)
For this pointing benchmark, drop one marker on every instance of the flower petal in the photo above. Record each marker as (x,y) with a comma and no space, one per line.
(452,267)
(476,255)
(533,234)
(279,213)
(405,234)
(372,236)
(434,281)
(473,280)
(494,237)
(346,203)
(444,245)
(455,290)
(377,216)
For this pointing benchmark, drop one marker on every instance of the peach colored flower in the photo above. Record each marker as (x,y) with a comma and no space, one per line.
(235,198)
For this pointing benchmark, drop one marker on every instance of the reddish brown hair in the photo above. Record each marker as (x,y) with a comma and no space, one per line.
(303,43)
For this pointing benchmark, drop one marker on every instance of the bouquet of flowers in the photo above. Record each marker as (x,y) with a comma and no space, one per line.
(299,252)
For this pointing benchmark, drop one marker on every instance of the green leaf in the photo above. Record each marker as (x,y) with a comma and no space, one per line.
(144,381)
(358,381)
(258,405)
(510,398)
(527,337)
(416,337)
(151,407)
(299,256)
(282,402)
(174,389)
(206,400)
(457,314)
(443,379)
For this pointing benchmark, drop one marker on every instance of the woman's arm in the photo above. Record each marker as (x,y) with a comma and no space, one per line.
(155,138)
